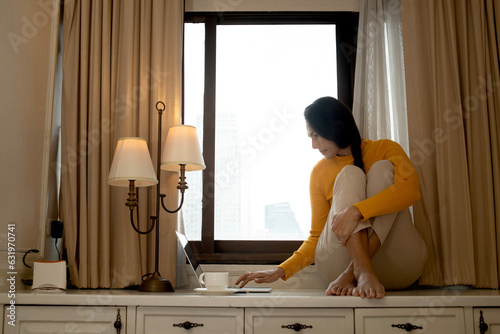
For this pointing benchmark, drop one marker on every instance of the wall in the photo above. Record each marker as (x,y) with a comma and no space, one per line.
(28,51)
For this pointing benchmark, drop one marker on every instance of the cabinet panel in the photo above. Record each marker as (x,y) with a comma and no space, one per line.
(491,317)
(152,320)
(310,320)
(405,320)
(66,319)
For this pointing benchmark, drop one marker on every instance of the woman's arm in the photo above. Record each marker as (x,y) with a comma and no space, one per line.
(320,207)
(406,188)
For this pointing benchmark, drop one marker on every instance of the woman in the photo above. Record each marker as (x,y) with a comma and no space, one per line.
(362,237)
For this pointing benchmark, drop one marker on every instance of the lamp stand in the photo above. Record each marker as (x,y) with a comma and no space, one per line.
(156,283)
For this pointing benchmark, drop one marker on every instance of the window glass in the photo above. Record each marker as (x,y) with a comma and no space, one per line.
(265,76)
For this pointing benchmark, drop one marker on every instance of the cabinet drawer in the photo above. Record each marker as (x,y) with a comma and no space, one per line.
(490,317)
(309,321)
(66,319)
(426,320)
(152,320)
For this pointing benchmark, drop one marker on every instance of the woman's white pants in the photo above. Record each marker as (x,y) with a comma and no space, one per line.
(400,260)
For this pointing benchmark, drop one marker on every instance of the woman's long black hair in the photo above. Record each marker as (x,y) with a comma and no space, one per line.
(333,120)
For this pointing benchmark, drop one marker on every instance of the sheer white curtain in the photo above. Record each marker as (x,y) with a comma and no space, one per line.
(379,105)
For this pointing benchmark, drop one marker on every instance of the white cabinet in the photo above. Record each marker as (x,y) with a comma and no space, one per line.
(487,319)
(279,312)
(67,319)
(310,320)
(404,320)
(152,320)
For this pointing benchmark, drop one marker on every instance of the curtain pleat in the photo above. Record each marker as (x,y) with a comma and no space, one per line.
(451,64)
(119,59)
(492,12)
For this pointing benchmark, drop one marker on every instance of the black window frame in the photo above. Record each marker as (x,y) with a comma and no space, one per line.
(209,250)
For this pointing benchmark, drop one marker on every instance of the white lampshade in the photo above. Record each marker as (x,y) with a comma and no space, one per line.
(132,162)
(182,147)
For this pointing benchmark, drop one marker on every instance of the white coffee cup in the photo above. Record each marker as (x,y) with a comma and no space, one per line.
(214,280)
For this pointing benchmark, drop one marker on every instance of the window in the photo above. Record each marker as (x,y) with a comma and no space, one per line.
(248,78)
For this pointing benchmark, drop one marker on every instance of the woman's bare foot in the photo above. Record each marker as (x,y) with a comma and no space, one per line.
(368,286)
(361,249)
(343,285)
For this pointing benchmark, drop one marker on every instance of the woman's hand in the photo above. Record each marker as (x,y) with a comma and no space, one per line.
(265,276)
(344,223)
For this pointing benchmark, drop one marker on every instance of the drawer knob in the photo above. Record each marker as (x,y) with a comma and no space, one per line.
(118,322)
(483,327)
(407,327)
(296,327)
(188,325)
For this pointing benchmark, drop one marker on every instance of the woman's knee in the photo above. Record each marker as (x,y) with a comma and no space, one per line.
(351,177)
(383,168)
(379,177)
(349,187)
(352,171)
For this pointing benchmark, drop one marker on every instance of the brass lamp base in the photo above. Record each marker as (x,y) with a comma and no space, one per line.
(156,283)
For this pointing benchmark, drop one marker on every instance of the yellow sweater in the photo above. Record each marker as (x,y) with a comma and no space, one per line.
(404,193)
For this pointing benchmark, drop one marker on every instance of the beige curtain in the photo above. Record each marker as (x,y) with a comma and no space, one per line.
(453,98)
(119,59)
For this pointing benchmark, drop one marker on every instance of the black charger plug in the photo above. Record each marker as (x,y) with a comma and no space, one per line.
(56,229)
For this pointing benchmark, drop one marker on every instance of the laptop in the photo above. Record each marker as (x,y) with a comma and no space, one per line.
(195,266)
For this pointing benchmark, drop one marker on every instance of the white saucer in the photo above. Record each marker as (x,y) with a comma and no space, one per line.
(204,291)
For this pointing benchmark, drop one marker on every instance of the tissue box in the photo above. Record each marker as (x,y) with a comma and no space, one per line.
(49,275)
